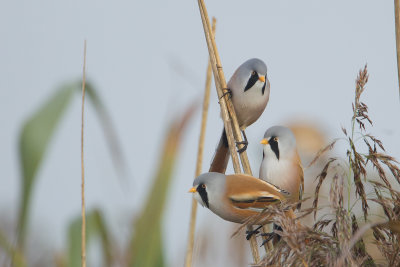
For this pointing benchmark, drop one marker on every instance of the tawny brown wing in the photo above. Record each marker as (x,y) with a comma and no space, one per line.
(244,182)
(247,192)
(257,204)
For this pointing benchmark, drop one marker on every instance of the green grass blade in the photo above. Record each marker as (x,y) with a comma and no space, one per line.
(15,256)
(108,129)
(146,245)
(35,137)
(33,142)
(96,227)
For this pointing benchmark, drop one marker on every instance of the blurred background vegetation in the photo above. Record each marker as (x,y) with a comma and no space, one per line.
(145,246)
(143,76)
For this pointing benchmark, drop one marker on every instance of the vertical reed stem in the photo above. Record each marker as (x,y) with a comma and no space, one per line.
(397,27)
(83,241)
(227,111)
(206,102)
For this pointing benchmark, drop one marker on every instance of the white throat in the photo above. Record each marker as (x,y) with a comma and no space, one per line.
(276,171)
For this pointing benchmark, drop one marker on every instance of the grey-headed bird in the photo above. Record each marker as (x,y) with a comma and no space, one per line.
(249,88)
(237,197)
(281,164)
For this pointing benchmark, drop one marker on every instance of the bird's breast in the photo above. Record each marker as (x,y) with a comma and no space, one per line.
(282,173)
(249,106)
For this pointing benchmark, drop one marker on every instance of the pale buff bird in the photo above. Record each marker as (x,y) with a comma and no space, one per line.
(237,197)
(281,164)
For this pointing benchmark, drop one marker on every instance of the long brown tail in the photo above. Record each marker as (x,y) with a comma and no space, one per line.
(221,156)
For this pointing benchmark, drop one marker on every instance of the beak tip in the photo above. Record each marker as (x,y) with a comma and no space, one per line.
(192,190)
(264,142)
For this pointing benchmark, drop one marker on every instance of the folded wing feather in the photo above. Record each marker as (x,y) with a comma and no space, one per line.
(247,192)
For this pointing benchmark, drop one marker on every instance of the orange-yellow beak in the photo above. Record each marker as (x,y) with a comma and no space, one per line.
(264,142)
(192,190)
(262,78)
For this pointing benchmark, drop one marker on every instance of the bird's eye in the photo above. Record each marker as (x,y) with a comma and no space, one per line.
(253,72)
(276,139)
(203,185)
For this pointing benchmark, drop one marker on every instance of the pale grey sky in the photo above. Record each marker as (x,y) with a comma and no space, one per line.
(148,59)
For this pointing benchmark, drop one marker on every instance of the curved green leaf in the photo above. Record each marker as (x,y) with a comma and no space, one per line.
(15,255)
(95,227)
(33,142)
(36,134)
(146,245)
(108,129)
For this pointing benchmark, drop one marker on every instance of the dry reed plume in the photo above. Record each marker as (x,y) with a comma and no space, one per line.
(337,237)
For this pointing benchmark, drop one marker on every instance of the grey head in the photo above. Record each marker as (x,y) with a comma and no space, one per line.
(280,140)
(209,186)
(248,74)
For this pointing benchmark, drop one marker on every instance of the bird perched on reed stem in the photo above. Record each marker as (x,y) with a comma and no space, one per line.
(237,197)
(249,88)
(281,164)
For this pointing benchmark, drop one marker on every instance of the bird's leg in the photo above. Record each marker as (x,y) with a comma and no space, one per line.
(226,91)
(244,142)
(249,234)
(272,235)
(268,237)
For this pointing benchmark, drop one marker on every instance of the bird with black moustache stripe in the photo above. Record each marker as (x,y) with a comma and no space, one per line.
(281,165)
(249,88)
(238,197)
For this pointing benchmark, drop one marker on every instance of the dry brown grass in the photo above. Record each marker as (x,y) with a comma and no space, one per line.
(337,235)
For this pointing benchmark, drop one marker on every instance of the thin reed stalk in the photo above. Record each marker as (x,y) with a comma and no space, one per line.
(219,85)
(397,27)
(227,111)
(83,243)
(206,103)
